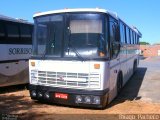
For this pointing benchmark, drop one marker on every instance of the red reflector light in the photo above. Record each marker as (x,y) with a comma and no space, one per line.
(61,96)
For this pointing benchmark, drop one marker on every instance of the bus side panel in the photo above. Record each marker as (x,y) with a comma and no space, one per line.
(19,71)
(123,62)
(114,68)
(106,76)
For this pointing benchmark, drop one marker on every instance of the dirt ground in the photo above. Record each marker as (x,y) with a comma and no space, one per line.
(19,102)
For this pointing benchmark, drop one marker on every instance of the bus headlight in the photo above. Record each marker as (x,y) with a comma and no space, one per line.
(46,95)
(87,99)
(79,99)
(40,94)
(33,93)
(96,100)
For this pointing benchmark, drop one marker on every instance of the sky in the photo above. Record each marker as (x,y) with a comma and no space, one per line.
(144,14)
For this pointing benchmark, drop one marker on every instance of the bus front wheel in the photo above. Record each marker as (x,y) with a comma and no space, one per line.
(134,67)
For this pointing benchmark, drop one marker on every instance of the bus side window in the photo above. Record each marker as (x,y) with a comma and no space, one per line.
(25,32)
(131,37)
(122,33)
(127,35)
(114,38)
(13,33)
(136,38)
(2,33)
(134,42)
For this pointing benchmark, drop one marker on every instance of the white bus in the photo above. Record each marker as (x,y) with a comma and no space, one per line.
(81,57)
(15,50)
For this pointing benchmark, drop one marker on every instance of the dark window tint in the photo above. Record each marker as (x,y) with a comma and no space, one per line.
(113,30)
(134,42)
(137,39)
(15,33)
(26,34)
(12,33)
(122,33)
(128,35)
(131,37)
(48,35)
(115,44)
(2,32)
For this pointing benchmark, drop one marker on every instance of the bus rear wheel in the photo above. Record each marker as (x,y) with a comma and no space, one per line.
(119,82)
(134,67)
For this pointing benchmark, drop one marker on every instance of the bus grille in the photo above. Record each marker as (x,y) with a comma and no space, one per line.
(64,79)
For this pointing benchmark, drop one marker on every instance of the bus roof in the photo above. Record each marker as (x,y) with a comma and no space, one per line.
(6,18)
(113,14)
(74,10)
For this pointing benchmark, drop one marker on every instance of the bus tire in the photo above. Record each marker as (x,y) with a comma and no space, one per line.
(134,67)
(119,82)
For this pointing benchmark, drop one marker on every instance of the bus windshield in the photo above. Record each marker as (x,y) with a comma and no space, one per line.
(71,35)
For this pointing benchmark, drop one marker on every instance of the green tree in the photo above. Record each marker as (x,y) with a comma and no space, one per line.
(144,43)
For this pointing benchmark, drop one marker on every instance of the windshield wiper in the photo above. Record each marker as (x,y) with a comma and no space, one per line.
(73,48)
(77,53)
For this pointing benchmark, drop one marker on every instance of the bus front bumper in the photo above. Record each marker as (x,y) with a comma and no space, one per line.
(68,96)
